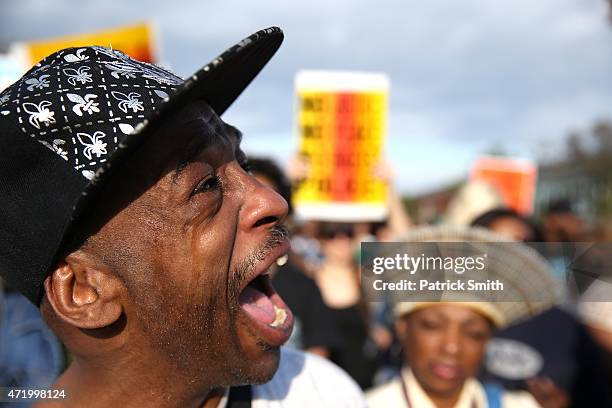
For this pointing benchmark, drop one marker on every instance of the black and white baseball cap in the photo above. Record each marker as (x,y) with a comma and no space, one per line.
(71,119)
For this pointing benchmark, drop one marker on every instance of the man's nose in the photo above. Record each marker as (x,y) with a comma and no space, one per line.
(263,207)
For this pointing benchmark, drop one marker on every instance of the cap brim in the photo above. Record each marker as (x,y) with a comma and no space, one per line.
(219,83)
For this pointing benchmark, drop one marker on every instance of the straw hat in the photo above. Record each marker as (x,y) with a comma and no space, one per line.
(529,286)
(473,199)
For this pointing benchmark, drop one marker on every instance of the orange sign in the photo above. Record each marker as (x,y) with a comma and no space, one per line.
(136,41)
(514,179)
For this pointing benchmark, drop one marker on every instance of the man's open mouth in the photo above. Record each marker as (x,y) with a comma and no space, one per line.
(266,310)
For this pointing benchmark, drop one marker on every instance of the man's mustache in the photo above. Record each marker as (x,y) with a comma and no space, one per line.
(277,235)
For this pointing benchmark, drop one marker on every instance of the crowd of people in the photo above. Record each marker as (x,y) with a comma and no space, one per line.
(157,292)
(369,340)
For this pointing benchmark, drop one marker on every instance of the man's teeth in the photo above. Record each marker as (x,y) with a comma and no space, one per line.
(282,260)
(281,316)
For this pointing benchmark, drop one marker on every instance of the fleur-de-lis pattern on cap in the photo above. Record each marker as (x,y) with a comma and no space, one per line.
(93,144)
(38,83)
(129,101)
(56,146)
(72,120)
(77,56)
(82,103)
(78,75)
(39,114)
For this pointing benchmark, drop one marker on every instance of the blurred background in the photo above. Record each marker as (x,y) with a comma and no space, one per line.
(467,78)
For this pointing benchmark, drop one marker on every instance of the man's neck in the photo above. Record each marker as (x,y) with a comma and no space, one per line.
(93,386)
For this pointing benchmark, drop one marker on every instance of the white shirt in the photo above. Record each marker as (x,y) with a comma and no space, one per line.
(305,380)
(392,395)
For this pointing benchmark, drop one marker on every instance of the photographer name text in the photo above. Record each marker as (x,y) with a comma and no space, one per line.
(436,285)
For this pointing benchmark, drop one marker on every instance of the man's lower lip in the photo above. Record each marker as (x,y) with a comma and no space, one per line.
(274,336)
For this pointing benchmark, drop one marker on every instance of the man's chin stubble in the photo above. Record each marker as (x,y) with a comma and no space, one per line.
(262,372)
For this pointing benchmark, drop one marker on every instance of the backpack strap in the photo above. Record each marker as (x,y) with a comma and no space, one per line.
(494,395)
(240,397)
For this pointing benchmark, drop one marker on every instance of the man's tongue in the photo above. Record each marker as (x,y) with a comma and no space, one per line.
(257,304)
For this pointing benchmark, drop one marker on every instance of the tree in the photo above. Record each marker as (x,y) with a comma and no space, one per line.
(575,149)
(592,152)
(602,132)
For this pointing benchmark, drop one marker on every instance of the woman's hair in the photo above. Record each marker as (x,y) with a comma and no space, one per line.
(486,219)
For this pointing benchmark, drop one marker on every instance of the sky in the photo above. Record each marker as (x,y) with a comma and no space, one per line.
(467,76)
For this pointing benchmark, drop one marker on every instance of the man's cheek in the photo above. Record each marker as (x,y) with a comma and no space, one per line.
(207,285)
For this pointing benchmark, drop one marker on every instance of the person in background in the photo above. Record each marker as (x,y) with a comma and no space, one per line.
(555,340)
(398,220)
(339,282)
(30,354)
(396,223)
(445,342)
(595,311)
(509,223)
(314,328)
(557,346)
(304,240)
(328,261)
(472,199)
(304,243)
(561,223)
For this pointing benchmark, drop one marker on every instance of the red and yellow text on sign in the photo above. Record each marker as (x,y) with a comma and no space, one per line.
(514,179)
(136,41)
(341,136)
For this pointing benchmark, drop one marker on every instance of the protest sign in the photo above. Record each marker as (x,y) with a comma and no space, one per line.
(341,124)
(514,179)
(135,40)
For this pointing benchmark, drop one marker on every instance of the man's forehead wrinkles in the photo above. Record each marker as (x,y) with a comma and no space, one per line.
(193,149)
(215,128)
(236,138)
(203,135)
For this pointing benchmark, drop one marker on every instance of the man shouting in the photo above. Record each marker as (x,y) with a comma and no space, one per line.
(129,218)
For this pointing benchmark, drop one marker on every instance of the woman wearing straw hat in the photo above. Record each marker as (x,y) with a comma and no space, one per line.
(444,342)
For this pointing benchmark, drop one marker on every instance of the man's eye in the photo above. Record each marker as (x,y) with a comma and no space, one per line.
(208,184)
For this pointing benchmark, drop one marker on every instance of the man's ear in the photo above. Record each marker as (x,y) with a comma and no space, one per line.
(84,292)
